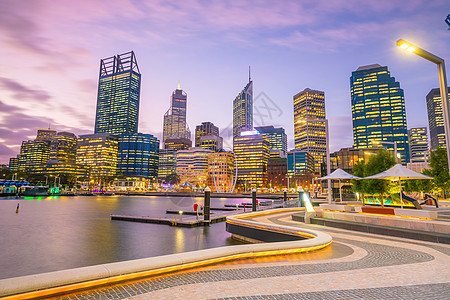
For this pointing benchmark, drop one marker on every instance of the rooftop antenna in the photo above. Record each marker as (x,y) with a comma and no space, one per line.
(249,77)
(48,125)
(178,85)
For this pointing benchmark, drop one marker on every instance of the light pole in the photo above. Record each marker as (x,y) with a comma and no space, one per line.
(442,84)
(327,137)
(389,143)
(46,179)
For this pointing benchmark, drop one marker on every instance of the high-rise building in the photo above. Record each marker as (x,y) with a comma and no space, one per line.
(14,164)
(252,152)
(221,171)
(119,87)
(178,144)
(436,119)
(99,152)
(45,134)
(211,142)
(299,162)
(418,144)
(243,110)
(378,110)
(206,128)
(63,147)
(167,162)
(309,129)
(175,126)
(277,138)
(192,166)
(138,155)
(33,153)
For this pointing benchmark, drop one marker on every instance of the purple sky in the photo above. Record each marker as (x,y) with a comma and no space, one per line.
(50,53)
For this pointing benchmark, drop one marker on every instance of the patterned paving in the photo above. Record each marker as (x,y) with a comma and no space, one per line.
(376,268)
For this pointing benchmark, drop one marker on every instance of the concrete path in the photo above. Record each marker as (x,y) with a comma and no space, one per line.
(356,266)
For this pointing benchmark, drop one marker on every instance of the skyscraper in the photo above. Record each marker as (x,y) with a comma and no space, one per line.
(119,86)
(138,155)
(175,125)
(418,144)
(277,138)
(378,109)
(309,129)
(167,162)
(243,110)
(436,119)
(99,152)
(252,152)
(192,166)
(63,147)
(206,128)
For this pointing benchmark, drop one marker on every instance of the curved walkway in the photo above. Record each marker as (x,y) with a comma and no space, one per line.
(355,266)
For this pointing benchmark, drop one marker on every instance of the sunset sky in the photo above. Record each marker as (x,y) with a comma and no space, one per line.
(50,53)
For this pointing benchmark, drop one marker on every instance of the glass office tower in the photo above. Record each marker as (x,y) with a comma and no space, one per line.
(206,128)
(138,155)
(277,138)
(436,119)
(309,129)
(418,144)
(378,110)
(119,86)
(252,152)
(174,124)
(243,110)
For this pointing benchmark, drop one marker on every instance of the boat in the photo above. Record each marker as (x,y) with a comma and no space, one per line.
(108,194)
(33,191)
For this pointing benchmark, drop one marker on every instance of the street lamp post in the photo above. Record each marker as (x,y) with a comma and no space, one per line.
(442,84)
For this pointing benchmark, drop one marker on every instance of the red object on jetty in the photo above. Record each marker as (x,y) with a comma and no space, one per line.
(195,206)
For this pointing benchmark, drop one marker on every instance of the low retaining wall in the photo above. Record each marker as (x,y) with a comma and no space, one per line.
(393,221)
(60,282)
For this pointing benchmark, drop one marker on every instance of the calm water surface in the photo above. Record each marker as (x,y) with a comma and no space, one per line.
(56,233)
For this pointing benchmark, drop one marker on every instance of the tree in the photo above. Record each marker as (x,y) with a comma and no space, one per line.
(439,169)
(173,178)
(377,164)
(359,169)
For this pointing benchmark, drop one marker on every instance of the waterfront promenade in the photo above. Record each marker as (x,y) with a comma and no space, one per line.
(356,266)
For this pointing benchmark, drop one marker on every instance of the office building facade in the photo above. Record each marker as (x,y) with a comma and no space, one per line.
(277,138)
(418,144)
(178,144)
(192,166)
(138,155)
(436,119)
(174,123)
(63,147)
(33,153)
(276,173)
(206,128)
(309,129)
(252,152)
(167,163)
(221,171)
(119,86)
(243,110)
(45,134)
(211,142)
(99,153)
(378,110)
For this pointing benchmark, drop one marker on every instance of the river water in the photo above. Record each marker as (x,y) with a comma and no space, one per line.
(56,233)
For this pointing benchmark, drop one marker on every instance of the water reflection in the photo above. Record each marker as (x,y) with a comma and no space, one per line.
(55,233)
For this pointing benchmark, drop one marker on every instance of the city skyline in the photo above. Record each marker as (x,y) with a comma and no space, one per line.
(40,41)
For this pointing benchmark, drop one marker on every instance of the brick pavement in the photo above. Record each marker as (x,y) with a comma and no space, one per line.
(365,266)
